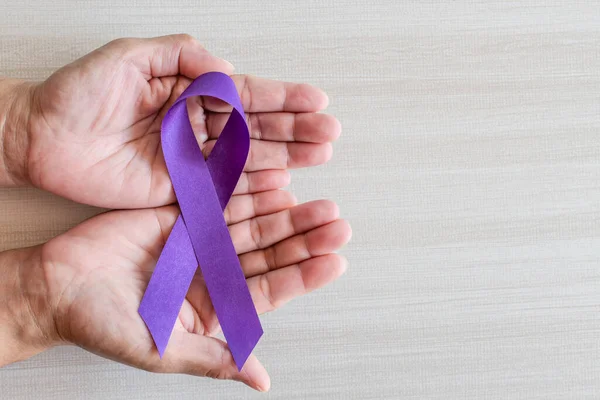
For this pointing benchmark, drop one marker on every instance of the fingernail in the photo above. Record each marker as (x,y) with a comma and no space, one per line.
(287,179)
(264,386)
(326,100)
(228,63)
(260,388)
(294,198)
(344,265)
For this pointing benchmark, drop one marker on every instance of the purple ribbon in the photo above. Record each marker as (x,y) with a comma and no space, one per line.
(200,235)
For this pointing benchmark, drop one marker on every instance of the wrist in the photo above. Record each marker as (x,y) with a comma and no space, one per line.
(26,321)
(15,102)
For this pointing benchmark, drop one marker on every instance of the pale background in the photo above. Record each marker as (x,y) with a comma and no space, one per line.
(469,168)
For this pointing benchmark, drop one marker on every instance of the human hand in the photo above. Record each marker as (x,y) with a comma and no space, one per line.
(94,125)
(93,278)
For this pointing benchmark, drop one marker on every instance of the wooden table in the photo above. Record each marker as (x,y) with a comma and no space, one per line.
(469,168)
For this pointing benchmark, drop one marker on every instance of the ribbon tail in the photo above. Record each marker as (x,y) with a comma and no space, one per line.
(166,292)
(168,286)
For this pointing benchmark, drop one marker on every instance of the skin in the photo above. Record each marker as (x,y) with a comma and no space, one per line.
(94,126)
(91,133)
(84,287)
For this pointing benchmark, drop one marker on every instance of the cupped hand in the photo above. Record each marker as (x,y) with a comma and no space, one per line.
(95,124)
(97,272)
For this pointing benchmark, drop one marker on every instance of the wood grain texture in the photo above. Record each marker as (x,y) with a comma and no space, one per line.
(469,167)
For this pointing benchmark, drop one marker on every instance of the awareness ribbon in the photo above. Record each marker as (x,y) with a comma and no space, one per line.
(200,235)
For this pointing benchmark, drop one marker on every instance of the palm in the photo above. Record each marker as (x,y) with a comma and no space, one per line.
(98,283)
(97,127)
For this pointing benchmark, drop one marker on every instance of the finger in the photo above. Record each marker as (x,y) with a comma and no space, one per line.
(261,232)
(261,181)
(273,289)
(198,355)
(282,127)
(248,206)
(266,95)
(249,182)
(160,96)
(317,242)
(279,155)
(171,55)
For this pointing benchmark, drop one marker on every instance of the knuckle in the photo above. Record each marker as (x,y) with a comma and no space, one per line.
(218,374)
(254,126)
(270,257)
(122,43)
(256,232)
(223,370)
(246,93)
(151,367)
(122,47)
(265,289)
(188,39)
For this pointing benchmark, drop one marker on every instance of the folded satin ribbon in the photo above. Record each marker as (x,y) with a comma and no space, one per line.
(200,235)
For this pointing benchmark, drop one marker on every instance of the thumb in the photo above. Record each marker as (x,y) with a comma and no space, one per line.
(199,355)
(170,55)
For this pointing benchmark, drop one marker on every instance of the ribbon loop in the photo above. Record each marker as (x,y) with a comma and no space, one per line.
(200,235)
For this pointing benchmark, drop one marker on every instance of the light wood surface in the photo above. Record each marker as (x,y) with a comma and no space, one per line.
(469,168)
